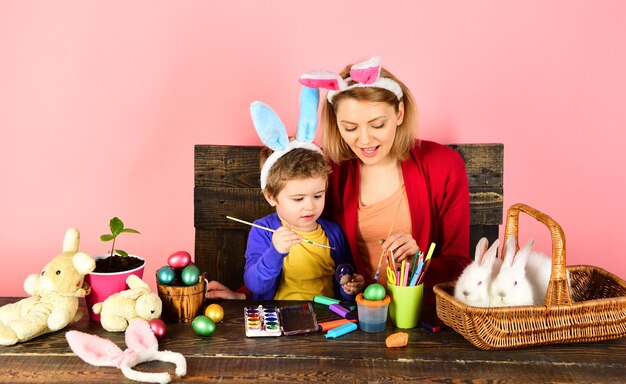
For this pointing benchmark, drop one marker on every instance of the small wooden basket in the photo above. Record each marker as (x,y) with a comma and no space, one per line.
(181,304)
(594,309)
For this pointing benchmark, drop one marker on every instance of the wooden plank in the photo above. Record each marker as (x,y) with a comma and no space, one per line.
(228,356)
(226,183)
(237,166)
(220,253)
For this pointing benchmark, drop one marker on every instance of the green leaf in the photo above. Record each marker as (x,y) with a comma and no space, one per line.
(122,253)
(130,230)
(116,225)
(106,237)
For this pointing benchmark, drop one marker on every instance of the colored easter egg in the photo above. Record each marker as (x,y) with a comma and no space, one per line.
(374,292)
(214,312)
(179,260)
(166,275)
(190,275)
(343,272)
(203,326)
(158,327)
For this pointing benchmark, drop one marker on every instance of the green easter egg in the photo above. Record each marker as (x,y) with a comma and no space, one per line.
(203,325)
(374,292)
(190,275)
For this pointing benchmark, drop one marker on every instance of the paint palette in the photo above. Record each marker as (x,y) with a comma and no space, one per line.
(262,321)
(273,321)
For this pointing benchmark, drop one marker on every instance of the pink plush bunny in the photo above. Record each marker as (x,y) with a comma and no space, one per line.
(142,347)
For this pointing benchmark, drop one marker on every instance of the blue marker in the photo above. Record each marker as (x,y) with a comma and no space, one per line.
(417,273)
(340,331)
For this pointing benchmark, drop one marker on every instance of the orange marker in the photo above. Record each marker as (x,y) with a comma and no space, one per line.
(325,326)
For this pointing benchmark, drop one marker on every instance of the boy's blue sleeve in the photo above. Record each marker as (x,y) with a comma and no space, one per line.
(264,265)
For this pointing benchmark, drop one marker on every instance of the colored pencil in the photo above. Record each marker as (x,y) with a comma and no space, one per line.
(272,230)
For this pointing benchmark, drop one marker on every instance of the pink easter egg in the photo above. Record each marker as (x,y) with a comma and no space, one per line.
(179,259)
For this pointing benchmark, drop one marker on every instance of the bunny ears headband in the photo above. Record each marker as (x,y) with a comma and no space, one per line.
(273,133)
(365,74)
(271,129)
(142,347)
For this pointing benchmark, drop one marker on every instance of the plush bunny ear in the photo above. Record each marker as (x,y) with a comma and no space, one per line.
(269,127)
(307,124)
(323,79)
(366,72)
(93,350)
(140,337)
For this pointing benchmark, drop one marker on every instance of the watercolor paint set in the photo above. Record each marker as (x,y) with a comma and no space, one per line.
(268,320)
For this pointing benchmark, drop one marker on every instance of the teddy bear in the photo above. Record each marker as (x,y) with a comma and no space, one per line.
(120,308)
(54,293)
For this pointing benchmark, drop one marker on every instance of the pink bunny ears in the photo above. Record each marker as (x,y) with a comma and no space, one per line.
(142,347)
(364,74)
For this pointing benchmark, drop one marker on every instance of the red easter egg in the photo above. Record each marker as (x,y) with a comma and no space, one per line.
(158,327)
(179,260)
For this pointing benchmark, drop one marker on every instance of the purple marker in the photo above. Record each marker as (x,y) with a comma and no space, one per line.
(343,312)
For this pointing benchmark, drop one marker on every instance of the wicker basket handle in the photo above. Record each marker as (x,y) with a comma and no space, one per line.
(558,290)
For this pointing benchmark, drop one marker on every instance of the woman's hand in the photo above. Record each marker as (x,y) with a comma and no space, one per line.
(284,238)
(402,244)
(217,290)
(355,285)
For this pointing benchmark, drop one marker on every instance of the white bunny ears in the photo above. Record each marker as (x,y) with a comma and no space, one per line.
(142,347)
(273,133)
(364,74)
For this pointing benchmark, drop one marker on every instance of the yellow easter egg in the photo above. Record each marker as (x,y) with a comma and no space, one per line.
(214,312)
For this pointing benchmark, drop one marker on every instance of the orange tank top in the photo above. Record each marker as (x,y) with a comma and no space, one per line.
(374,223)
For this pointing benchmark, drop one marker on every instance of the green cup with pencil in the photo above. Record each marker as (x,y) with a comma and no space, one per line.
(406,288)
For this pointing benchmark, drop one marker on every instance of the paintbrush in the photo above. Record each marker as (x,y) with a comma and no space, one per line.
(271,230)
(382,255)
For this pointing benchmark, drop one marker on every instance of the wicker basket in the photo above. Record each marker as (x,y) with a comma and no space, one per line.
(594,309)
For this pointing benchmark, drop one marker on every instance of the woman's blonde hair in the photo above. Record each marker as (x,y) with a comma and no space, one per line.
(299,163)
(338,150)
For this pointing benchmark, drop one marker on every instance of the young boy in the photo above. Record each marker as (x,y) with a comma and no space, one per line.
(298,260)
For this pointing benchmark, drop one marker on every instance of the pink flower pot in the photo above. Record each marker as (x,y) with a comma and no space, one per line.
(104,285)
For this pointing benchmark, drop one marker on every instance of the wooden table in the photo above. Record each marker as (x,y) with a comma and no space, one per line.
(229,356)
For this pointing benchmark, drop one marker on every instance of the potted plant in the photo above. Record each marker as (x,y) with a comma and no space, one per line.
(112,268)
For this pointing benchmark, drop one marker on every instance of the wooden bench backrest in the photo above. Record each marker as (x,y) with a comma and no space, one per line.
(227,183)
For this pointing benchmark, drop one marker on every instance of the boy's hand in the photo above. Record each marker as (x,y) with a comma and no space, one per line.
(284,238)
(355,285)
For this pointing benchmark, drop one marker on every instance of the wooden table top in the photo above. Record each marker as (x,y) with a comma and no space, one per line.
(229,356)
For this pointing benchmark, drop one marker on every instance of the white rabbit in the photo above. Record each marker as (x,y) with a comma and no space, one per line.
(538,272)
(511,286)
(472,287)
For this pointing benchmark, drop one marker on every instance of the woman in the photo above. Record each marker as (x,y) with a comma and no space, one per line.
(388,190)
(385,179)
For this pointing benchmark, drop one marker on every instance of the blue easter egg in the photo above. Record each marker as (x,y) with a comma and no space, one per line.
(343,270)
(166,275)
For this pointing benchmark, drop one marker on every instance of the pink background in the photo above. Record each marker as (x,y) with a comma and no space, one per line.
(101,104)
